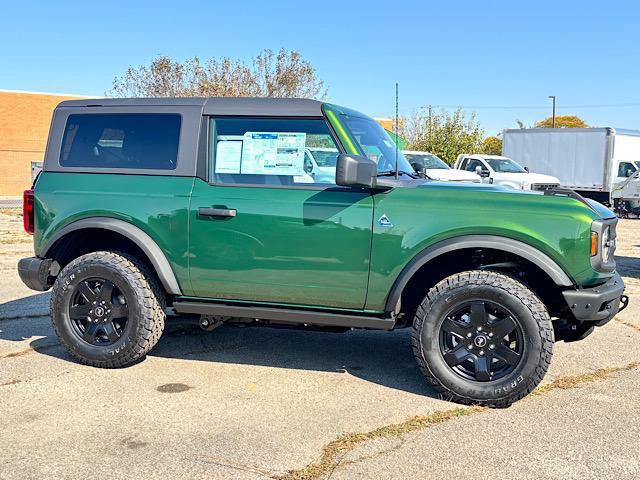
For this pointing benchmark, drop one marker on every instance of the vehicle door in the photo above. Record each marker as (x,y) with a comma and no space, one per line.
(261,228)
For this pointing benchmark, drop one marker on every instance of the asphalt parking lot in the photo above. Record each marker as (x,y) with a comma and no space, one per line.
(266,403)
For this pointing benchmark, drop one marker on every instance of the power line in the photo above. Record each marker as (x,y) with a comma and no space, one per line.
(536,107)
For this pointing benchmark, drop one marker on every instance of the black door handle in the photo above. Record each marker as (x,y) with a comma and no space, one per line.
(216,212)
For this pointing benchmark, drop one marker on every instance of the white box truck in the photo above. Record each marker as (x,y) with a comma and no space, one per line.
(599,163)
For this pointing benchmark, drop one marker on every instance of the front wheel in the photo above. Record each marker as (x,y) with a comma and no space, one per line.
(482,338)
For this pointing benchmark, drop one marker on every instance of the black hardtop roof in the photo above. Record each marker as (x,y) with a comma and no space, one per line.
(296,107)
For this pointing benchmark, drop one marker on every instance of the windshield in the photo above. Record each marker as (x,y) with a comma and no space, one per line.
(505,165)
(376,144)
(426,160)
(325,157)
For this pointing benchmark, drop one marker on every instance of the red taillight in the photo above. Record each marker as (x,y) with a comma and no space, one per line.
(27,211)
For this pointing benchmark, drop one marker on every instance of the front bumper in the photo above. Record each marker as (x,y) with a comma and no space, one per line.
(597,304)
(37,273)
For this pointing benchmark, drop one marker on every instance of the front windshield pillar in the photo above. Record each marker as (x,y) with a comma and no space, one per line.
(349,144)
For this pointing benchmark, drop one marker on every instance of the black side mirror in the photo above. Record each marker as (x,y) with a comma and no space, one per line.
(483,172)
(355,170)
(526,169)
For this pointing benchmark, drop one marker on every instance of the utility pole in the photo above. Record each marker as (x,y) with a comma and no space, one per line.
(429,131)
(553,114)
(397,131)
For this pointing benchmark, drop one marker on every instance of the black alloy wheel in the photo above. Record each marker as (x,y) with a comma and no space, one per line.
(481,341)
(98,311)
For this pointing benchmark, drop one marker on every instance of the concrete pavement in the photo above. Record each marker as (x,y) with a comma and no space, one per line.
(257,402)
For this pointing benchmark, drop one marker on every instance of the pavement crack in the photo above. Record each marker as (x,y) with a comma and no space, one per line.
(26,351)
(573,381)
(628,324)
(11,382)
(223,462)
(24,317)
(333,453)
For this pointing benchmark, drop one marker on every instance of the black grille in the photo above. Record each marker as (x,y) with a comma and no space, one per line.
(543,186)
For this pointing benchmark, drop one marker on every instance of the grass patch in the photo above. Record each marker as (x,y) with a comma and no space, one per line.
(574,381)
(14,212)
(334,451)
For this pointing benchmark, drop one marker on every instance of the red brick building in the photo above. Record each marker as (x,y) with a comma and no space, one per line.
(25,118)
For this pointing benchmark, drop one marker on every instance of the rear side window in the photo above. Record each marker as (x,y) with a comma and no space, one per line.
(128,141)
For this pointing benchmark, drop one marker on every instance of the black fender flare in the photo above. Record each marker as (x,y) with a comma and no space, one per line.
(138,236)
(495,242)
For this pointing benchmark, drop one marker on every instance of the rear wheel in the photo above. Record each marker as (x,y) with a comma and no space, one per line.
(482,337)
(107,309)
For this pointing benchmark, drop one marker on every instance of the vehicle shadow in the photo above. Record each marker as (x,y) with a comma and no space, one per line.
(384,358)
(628,266)
(33,305)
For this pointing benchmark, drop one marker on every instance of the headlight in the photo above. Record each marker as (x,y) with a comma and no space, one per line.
(603,245)
(605,249)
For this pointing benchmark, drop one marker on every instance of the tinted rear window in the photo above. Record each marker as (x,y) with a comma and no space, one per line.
(131,141)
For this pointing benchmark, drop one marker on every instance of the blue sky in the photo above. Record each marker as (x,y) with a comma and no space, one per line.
(469,53)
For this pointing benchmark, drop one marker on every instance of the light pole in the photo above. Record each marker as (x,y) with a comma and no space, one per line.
(553,114)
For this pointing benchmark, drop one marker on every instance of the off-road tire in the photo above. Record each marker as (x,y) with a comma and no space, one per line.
(529,312)
(145,298)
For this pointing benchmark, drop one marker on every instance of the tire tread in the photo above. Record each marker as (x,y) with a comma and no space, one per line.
(150,294)
(511,286)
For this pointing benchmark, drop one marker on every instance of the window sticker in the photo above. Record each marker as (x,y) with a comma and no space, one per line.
(273,153)
(228,156)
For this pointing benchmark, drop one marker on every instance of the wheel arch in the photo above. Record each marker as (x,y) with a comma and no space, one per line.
(470,242)
(134,234)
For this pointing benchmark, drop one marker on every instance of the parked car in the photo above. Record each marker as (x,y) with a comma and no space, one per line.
(320,164)
(429,164)
(199,207)
(504,171)
(595,162)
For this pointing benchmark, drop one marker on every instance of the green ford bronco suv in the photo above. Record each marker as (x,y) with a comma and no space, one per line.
(227,208)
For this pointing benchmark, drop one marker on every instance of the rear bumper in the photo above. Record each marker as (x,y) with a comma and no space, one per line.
(597,304)
(36,273)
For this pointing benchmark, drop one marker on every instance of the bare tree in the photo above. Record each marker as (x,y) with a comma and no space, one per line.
(270,74)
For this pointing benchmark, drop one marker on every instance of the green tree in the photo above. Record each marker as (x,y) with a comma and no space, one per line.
(447,134)
(562,121)
(492,146)
(270,74)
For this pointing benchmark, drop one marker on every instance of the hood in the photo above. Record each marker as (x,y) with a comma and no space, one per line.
(452,175)
(526,177)
(600,209)
(540,178)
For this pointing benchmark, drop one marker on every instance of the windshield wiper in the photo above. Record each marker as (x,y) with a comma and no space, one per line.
(392,173)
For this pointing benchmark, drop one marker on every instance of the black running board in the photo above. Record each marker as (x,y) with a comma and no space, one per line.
(285,315)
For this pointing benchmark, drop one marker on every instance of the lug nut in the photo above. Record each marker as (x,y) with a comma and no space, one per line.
(481,352)
(492,346)
(470,347)
(469,334)
(479,329)
(491,334)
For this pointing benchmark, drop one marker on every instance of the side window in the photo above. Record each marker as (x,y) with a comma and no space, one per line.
(270,151)
(124,141)
(626,169)
(473,163)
